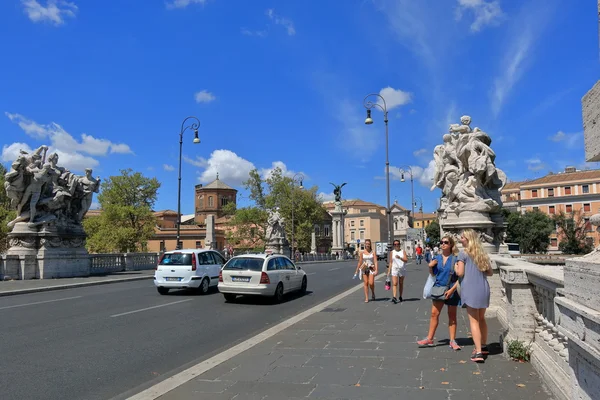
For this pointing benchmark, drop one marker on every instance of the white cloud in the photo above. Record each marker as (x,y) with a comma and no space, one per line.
(558,137)
(266,172)
(394,97)
(184,3)
(31,128)
(535,164)
(279,20)
(518,56)
(485,12)
(326,196)
(420,152)
(198,162)
(168,167)
(571,140)
(248,32)
(54,12)
(204,96)
(422,175)
(231,168)
(12,151)
(120,148)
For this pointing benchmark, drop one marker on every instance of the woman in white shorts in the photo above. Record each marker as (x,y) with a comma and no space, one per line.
(398,270)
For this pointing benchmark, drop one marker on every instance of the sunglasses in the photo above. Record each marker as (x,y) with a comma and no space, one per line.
(445,242)
(396,244)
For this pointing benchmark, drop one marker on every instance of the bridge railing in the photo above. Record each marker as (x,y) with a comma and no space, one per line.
(101,264)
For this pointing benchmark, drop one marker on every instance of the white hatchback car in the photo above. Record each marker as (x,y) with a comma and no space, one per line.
(261,274)
(188,269)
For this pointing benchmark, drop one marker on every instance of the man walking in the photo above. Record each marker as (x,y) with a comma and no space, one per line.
(419,251)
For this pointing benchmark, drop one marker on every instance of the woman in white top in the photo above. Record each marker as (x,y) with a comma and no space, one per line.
(397,269)
(368,257)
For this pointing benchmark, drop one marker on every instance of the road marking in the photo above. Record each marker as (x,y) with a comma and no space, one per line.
(312,273)
(333,269)
(150,308)
(39,302)
(183,377)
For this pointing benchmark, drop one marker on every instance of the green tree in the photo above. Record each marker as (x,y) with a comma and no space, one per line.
(571,230)
(127,221)
(530,230)
(6,214)
(277,191)
(433,232)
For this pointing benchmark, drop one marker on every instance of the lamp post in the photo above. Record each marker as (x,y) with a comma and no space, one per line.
(368,121)
(422,220)
(194,125)
(298,177)
(404,169)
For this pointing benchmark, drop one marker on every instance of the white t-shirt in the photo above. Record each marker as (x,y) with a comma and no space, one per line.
(397,262)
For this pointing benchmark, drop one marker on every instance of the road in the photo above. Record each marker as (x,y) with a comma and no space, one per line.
(112,341)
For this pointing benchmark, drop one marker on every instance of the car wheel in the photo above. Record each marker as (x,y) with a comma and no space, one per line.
(229,297)
(304,285)
(203,288)
(278,296)
(163,290)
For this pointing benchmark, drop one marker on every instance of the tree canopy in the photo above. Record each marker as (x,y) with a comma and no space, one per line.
(6,214)
(571,229)
(433,232)
(276,191)
(127,221)
(530,230)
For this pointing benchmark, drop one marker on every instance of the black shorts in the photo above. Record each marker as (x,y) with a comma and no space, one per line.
(368,271)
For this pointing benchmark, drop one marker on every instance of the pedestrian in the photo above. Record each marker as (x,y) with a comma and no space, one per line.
(419,251)
(428,254)
(474,266)
(367,263)
(444,291)
(397,269)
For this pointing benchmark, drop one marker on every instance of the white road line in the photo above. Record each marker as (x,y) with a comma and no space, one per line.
(312,273)
(39,302)
(181,378)
(333,269)
(150,308)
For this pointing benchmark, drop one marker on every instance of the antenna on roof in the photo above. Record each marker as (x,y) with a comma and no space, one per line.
(217,176)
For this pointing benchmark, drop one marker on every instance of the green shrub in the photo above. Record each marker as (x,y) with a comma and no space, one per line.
(518,350)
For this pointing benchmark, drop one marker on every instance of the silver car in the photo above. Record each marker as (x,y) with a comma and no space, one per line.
(261,274)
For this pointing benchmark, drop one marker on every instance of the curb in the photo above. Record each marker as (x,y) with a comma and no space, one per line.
(71,285)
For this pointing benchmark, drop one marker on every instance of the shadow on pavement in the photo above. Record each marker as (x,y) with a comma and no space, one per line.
(268,301)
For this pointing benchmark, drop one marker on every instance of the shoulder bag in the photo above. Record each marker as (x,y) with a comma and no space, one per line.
(439,292)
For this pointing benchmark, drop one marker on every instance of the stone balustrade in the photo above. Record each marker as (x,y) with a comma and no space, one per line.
(551,308)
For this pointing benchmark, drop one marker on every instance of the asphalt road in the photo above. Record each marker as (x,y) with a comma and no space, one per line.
(112,341)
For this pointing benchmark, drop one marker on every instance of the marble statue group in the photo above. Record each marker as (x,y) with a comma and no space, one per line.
(42,192)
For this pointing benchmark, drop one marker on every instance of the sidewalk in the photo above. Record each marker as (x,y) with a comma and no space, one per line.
(14,287)
(353,350)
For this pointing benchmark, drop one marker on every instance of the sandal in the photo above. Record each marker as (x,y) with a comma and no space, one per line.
(454,346)
(484,350)
(477,357)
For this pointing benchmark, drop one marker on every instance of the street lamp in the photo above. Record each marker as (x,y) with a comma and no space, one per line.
(368,121)
(194,125)
(420,201)
(403,169)
(298,177)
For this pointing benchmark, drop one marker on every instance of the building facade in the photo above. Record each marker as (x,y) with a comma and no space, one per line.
(573,192)
(211,199)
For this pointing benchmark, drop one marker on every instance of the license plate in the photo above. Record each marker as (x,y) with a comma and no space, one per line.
(173,279)
(240,279)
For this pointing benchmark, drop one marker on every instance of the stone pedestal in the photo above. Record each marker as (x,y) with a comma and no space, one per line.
(337,226)
(47,251)
(211,239)
(490,226)
(313,243)
(278,246)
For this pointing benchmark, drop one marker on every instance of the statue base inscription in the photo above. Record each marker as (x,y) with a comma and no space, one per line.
(48,251)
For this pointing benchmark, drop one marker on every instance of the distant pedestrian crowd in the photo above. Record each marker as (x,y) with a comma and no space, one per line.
(456,279)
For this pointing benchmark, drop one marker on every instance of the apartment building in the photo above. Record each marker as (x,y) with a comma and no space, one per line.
(571,191)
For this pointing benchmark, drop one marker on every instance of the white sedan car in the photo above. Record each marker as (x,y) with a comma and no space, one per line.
(261,274)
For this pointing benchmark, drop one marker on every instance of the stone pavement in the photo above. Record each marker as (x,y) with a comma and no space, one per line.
(357,350)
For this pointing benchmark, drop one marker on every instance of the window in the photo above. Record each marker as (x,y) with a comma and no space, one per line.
(210,201)
(272,265)
(246,264)
(587,225)
(585,188)
(201,202)
(326,230)
(224,201)
(180,243)
(281,264)
(205,259)
(534,193)
(317,230)
(551,210)
(569,208)
(364,211)
(352,236)
(198,244)
(396,225)
(177,259)
(551,192)
(586,207)
(362,235)
(567,189)
(162,246)
(351,223)
(362,222)
(589,241)
(536,209)
(554,242)
(218,258)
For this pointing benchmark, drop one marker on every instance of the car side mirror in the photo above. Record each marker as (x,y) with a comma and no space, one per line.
(299,267)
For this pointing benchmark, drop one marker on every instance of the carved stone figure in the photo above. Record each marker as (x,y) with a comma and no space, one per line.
(276,226)
(466,173)
(89,185)
(337,191)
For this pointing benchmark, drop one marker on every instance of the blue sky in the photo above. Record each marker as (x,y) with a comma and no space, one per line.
(281,83)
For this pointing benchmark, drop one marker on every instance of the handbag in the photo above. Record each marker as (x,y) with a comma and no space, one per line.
(428,285)
(439,292)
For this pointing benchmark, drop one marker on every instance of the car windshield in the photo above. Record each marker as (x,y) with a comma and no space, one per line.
(176,259)
(245,264)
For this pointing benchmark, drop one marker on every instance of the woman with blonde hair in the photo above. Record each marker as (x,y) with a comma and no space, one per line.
(367,263)
(443,291)
(474,266)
